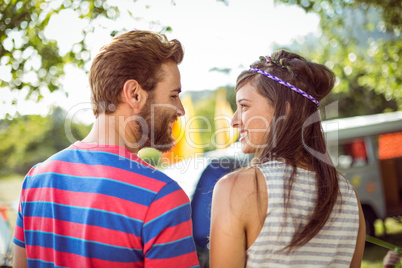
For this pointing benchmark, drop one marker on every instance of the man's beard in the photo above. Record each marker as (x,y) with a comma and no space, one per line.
(159,135)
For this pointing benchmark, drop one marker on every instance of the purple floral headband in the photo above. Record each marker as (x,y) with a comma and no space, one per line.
(286,84)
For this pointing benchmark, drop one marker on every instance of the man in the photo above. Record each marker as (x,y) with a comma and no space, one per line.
(96,204)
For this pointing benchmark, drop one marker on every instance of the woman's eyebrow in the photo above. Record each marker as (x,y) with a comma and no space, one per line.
(244,99)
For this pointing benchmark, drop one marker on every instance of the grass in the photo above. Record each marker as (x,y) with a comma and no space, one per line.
(10,189)
(373,254)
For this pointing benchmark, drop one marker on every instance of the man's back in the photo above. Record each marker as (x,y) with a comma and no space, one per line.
(100,206)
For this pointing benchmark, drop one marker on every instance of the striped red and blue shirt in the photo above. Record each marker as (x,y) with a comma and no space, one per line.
(102,206)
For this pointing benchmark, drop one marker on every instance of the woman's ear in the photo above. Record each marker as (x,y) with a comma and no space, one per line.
(134,95)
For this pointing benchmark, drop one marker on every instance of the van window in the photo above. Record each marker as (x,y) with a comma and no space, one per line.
(352,154)
(390,145)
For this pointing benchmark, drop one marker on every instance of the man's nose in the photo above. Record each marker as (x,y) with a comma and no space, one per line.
(180,109)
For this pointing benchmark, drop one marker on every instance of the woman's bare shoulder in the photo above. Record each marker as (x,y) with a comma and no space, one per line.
(241,183)
(240,178)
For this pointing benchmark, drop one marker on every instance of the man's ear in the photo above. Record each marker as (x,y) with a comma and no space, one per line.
(134,95)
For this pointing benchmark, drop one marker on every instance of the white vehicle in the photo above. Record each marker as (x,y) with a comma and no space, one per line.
(368,151)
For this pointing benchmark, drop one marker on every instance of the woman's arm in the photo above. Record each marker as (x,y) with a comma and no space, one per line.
(361,238)
(228,237)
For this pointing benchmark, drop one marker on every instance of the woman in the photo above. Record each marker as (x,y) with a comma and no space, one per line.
(290,207)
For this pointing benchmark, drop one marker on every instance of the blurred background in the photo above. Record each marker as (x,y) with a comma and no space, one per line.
(47,46)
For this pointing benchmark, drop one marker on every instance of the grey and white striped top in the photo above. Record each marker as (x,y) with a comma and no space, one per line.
(333,246)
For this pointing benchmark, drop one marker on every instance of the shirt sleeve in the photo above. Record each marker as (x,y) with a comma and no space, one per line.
(167,230)
(19,238)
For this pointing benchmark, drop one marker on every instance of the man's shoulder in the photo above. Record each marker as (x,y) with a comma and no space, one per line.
(55,156)
(128,168)
(157,176)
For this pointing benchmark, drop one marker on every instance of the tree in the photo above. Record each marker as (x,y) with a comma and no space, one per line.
(361,42)
(33,61)
(30,139)
(332,11)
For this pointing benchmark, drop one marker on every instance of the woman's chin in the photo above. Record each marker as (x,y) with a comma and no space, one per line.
(246,149)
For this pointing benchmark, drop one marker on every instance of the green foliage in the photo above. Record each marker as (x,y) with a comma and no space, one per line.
(151,156)
(30,139)
(373,254)
(333,11)
(26,52)
(363,48)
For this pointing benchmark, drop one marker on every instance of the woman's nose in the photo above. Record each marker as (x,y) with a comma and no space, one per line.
(235,120)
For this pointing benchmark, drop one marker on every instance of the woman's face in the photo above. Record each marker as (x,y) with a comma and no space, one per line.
(252,118)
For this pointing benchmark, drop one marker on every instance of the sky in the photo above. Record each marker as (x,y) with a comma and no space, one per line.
(214,35)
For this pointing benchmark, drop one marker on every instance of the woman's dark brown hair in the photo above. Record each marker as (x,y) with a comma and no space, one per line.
(133,55)
(295,131)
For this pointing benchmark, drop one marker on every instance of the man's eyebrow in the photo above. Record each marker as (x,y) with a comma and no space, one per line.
(178,90)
